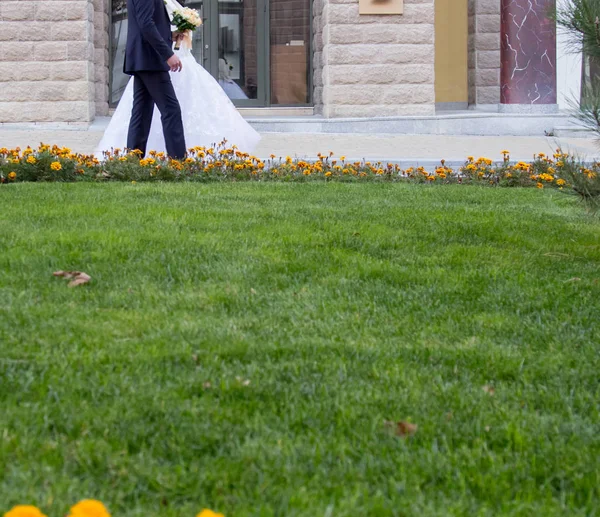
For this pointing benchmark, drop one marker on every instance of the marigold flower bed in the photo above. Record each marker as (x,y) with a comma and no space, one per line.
(223,163)
(85,508)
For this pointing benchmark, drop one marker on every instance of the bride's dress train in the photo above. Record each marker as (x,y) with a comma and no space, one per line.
(208,114)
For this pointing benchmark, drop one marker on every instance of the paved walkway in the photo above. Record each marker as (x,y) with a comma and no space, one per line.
(406,149)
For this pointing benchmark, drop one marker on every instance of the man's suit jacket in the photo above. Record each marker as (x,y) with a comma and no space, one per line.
(149,41)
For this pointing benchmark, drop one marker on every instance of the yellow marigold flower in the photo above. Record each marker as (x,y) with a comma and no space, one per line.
(561,182)
(508,175)
(275,171)
(272,156)
(24,511)
(288,159)
(345,171)
(541,155)
(12,176)
(430,178)
(327,174)
(539,185)
(209,513)
(342,158)
(56,166)
(505,152)
(89,508)
(306,172)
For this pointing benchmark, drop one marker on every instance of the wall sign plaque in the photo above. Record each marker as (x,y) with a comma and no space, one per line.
(380,6)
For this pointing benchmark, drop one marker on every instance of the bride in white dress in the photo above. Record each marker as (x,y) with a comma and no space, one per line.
(207,113)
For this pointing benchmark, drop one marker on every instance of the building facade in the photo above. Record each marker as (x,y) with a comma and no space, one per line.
(61,60)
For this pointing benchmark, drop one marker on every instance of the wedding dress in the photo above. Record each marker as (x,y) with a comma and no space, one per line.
(207,113)
(231,88)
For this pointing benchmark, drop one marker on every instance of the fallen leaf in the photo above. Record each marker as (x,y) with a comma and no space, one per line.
(79,277)
(252,291)
(574,279)
(207,385)
(195,358)
(490,390)
(487,428)
(402,428)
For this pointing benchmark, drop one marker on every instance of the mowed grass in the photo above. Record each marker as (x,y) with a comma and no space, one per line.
(344,306)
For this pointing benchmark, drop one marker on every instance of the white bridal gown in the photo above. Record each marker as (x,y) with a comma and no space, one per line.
(208,114)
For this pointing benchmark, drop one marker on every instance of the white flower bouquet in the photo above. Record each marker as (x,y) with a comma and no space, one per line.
(186,20)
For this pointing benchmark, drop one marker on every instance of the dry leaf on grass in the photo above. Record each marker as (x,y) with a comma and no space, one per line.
(402,428)
(490,390)
(78,277)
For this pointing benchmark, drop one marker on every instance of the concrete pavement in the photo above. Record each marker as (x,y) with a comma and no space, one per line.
(408,150)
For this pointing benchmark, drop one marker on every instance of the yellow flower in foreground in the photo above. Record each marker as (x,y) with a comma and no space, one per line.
(89,508)
(12,175)
(209,513)
(561,182)
(539,185)
(31,160)
(24,511)
(56,166)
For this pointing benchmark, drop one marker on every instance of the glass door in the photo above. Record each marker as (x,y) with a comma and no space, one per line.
(258,50)
(236,31)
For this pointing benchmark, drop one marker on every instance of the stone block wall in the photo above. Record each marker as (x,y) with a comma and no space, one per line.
(47,61)
(484,52)
(101,55)
(376,65)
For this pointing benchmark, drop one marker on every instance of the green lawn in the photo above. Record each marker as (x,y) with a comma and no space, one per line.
(343,305)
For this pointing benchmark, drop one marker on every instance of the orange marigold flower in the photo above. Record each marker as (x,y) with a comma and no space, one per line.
(209,513)
(12,176)
(539,185)
(89,508)
(24,511)
(56,166)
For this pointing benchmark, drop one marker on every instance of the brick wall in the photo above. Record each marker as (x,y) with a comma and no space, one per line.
(484,51)
(46,61)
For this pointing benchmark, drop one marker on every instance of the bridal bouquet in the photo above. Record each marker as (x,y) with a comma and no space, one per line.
(186,20)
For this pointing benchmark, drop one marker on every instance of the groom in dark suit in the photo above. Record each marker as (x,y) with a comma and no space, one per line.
(149,57)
